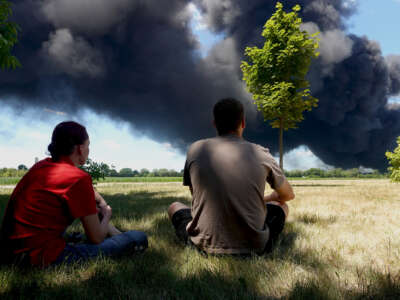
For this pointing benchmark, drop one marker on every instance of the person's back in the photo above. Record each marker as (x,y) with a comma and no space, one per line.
(37,213)
(49,198)
(228,177)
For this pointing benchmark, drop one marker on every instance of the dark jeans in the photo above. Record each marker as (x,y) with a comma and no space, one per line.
(126,243)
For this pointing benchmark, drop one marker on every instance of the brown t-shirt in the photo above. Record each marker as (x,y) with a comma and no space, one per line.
(228,176)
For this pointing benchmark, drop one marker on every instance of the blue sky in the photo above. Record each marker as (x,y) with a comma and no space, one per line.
(379,20)
(25,134)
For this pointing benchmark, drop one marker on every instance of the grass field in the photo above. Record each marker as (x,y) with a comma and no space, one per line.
(141,179)
(341,241)
(14,180)
(9,180)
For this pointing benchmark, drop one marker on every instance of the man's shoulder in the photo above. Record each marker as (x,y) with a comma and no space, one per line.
(261,152)
(258,147)
(200,143)
(210,142)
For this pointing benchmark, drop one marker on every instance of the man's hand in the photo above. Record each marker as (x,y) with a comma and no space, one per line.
(272,197)
(282,194)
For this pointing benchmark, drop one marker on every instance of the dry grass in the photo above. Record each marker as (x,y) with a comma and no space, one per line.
(341,241)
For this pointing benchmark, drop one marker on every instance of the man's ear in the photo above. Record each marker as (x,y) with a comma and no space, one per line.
(215,126)
(243,123)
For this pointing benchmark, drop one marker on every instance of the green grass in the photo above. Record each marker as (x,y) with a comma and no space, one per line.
(9,180)
(337,178)
(15,180)
(142,179)
(341,241)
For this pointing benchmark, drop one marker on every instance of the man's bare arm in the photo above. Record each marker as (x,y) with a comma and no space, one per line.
(282,194)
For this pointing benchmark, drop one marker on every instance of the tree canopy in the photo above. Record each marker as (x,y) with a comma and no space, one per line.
(394,161)
(22,167)
(97,170)
(8,37)
(275,74)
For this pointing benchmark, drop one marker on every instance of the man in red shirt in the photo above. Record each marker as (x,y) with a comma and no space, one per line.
(50,196)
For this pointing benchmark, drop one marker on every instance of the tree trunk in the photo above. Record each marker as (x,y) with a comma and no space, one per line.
(281,143)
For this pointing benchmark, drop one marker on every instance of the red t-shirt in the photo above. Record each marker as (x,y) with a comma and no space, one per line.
(44,203)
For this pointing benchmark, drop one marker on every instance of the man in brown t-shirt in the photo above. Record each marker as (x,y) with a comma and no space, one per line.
(226,176)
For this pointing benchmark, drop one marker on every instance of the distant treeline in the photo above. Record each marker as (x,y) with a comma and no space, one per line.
(128,172)
(335,173)
(11,172)
(108,172)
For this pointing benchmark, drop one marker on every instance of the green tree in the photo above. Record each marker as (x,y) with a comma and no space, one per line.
(275,74)
(8,37)
(144,172)
(394,161)
(96,170)
(163,172)
(22,167)
(126,172)
(113,173)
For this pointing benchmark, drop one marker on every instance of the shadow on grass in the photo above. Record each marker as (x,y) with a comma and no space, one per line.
(3,203)
(156,275)
(286,250)
(308,218)
(141,204)
(148,276)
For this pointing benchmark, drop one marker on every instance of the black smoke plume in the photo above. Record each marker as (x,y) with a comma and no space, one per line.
(138,61)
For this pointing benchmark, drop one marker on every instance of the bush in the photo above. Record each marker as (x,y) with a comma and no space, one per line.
(394,161)
(96,170)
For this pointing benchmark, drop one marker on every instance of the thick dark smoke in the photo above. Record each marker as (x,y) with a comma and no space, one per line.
(138,61)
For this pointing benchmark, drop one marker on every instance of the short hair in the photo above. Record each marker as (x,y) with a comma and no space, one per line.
(228,114)
(64,138)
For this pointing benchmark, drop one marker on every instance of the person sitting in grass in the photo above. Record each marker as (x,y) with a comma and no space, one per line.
(226,176)
(49,197)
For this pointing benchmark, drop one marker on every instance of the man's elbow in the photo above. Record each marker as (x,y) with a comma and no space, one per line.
(289,196)
(292,196)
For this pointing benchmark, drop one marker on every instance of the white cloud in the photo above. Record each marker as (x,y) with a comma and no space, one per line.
(302,158)
(34,136)
(352,3)
(198,20)
(395,100)
(60,113)
(25,136)
(111,144)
